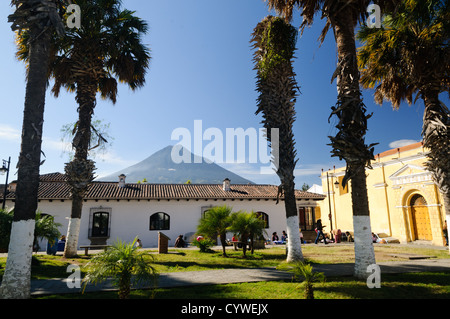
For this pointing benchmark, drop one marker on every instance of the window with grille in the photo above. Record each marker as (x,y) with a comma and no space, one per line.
(159,221)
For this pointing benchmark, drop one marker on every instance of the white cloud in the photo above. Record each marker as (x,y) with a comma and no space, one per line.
(56,145)
(50,145)
(111,158)
(263,173)
(9,133)
(401,143)
(309,170)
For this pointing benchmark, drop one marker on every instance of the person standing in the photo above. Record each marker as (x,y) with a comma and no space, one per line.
(445,230)
(319,228)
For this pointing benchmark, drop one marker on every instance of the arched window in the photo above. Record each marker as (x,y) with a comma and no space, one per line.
(159,221)
(264,217)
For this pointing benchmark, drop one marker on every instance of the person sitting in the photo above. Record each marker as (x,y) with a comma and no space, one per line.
(374,238)
(275,239)
(349,236)
(337,235)
(283,237)
(179,242)
(61,243)
(327,240)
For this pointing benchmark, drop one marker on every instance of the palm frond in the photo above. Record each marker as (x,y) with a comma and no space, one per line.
(123,262)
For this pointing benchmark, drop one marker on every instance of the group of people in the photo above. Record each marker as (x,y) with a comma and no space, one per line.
(319,229)
(276,240)
(179,242)
(337,234)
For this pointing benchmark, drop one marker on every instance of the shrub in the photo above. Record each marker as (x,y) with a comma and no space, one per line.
(6,219)
(125,264)
(204,244)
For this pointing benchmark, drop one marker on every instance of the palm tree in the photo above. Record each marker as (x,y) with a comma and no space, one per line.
(410,55)
(107,49)
(216,223)
(305,272)
(257,229)
(45,228)
(349,143)
(6,219)
(125,264)
(39,19)
(247,226)
(275,41)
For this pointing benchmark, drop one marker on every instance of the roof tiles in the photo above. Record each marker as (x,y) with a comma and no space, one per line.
(53,186)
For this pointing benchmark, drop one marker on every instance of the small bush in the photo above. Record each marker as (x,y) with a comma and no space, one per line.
(204,245)
(6,219)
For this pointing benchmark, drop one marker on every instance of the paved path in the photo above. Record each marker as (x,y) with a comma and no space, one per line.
(213,277)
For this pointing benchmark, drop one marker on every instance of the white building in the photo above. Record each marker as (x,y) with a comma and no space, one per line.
(113,210)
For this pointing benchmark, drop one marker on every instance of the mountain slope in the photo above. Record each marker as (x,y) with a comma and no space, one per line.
(160,168)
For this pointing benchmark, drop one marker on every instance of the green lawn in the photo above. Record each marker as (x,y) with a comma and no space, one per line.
(192,260)
(400,286)
(416,285)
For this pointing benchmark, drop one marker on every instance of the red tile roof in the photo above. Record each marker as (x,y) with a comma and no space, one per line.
(400,149)
(53,187)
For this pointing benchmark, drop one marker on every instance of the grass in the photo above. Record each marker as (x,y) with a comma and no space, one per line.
(49,267)
(399,286)
(414,285)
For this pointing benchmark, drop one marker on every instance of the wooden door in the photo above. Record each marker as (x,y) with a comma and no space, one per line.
(302,218)
(420,218)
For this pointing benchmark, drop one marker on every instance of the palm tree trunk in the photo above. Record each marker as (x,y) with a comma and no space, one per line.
(364,251)
(349,142)
(73,229)
(244,239)
(309,290)
(292,224)
(447,212)
(223,242)
(16,279)
(436,136)
(124,285)
(80,171)
(278,90)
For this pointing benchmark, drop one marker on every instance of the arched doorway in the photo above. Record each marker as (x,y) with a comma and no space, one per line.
(420,218)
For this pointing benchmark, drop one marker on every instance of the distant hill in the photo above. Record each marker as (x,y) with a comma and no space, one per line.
(160,168)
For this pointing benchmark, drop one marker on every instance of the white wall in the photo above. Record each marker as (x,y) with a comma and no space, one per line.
(132,218)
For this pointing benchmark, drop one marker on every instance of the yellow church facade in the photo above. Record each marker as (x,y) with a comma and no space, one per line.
(404,202)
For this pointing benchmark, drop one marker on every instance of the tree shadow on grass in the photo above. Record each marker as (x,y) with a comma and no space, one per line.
(197,292)
(398,286)
(216,260)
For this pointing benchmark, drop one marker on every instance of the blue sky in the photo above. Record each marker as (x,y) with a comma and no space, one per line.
(201,69)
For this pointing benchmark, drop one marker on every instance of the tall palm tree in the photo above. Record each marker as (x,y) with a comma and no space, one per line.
(215,223)
(349,143)
(39,19)
(275,41)
(410,55)
(105,50)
